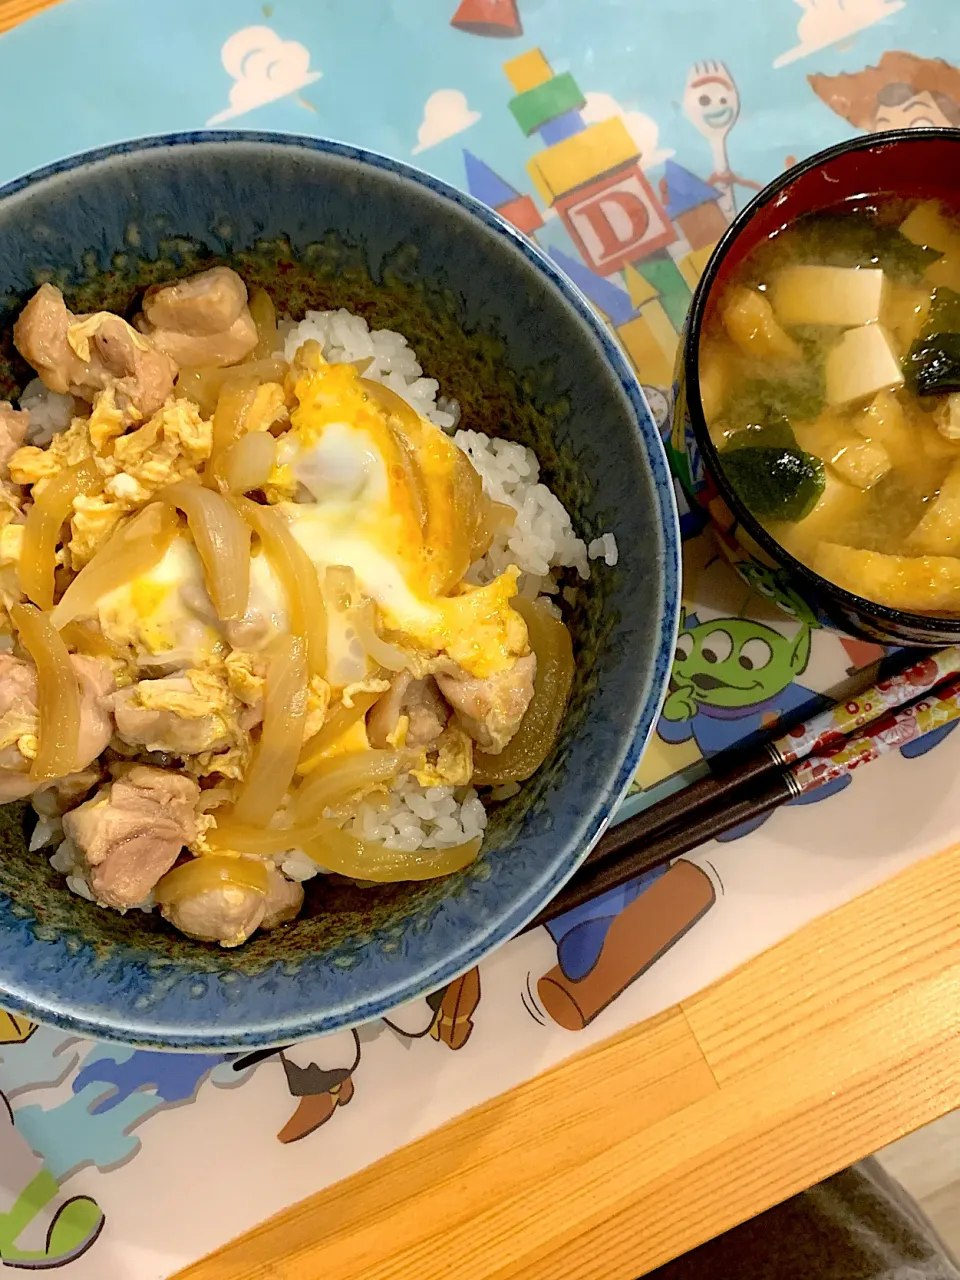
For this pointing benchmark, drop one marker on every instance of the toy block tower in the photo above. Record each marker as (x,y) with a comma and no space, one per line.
(587,172)
(483,184)
(488,18)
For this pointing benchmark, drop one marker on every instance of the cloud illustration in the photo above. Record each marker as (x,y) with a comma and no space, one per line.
(264,68)
(643,128)
(445,114)
(824,22)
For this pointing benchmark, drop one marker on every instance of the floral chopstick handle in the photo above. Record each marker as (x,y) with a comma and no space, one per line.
(890,733)
(835,724)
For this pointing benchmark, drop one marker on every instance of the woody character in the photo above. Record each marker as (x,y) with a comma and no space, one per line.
(902,91)
(320,1072)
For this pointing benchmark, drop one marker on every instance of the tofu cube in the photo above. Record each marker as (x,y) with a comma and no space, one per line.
(862,363)
(842,296)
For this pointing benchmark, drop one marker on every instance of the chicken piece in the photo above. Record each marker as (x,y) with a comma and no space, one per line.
(229,915)
(210,349)
(203,320)
(420,702)
(132,831)
(55,798)
(144,373)
(58,345)
(208,302)
(283,901)
(490,710)
(13,430)
(177,728)
(19,720)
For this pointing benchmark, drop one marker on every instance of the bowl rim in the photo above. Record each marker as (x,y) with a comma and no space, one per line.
(489,934)
(931,624)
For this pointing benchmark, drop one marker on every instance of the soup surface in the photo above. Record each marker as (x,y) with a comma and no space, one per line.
(830,382)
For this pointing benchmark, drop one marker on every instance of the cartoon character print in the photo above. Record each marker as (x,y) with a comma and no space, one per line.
(607,944)
(902,91)
(711,102)
(40,1226)
(320,1073)
(733,682)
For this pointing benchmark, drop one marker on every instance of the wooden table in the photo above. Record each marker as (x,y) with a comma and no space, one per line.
(829,1046)
(832,1044)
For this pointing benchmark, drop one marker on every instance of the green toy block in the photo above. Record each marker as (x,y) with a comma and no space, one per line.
(663,274)
(547,101)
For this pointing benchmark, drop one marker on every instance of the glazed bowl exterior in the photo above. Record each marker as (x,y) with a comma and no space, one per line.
(916,163)
(323,225)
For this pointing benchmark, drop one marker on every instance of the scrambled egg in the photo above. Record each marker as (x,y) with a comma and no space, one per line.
(135,466)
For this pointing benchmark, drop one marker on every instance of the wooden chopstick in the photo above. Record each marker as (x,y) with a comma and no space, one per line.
(628,849)
(736,769)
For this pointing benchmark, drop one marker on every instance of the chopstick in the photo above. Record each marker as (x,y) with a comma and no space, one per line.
(628,849)
(736,769)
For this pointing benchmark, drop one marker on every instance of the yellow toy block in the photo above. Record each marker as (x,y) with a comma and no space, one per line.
(586,156)
(539,181)
(528,71)
(651,343)
(639,289)
(693,265)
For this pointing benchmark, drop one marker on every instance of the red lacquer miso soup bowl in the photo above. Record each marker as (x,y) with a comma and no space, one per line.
(817,417)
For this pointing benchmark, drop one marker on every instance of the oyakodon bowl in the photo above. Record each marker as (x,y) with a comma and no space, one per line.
(322,225)
(912,163)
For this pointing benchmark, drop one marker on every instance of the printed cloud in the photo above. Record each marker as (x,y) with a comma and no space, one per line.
(643,128)
(263,68)
(824,22)
(445,114)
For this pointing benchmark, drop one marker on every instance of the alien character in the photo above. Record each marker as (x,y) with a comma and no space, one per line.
(711,102)
(901,92)
(733,682)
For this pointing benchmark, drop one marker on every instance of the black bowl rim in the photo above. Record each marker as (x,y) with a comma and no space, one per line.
(918,622)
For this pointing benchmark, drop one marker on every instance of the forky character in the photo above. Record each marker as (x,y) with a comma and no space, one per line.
(711,102)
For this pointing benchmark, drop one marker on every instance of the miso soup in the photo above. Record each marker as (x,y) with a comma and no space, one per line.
(830,382)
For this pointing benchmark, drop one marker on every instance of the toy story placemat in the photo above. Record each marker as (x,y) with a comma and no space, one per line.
(622,136)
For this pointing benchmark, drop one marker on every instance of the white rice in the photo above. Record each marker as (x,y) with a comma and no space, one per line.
(50,412)
(345,336)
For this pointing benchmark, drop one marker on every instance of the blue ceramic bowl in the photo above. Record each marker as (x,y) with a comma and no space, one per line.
(325,225)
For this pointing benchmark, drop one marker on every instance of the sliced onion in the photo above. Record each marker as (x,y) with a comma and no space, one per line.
(222,539)
(243,837)
(387,655)
(331,780)
(530,745)
(247,463)
(203,385)
(337,850)
(132,550)
(58,693)
(333,728)
(212,871)
(281,737)
(371,860)
(264,315)
(407,431)
(295,569)
(233,404)
(38,557)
